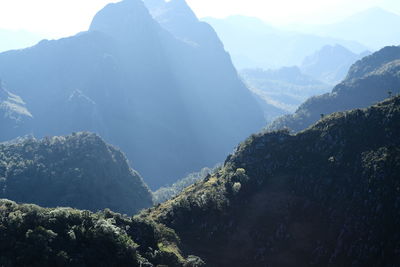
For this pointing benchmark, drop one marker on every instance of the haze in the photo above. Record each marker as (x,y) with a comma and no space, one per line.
(68,17)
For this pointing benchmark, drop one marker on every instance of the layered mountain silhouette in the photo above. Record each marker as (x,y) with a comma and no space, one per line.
(79,171)
(166,94)
(281,91)
(15,118)
(330,64)
(374,27)
(255,44)
(327,196)
(369,80)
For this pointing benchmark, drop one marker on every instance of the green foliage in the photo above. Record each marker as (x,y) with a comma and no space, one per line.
(79,171)
(165,193)
(327,196)
(34,236)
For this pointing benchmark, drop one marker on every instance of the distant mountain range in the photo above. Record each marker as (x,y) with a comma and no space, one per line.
(159,86)
(282,91)
(255,44)
(374,27)
(330,64)
(369,80)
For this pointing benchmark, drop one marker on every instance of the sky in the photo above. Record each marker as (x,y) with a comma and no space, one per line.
(60,18)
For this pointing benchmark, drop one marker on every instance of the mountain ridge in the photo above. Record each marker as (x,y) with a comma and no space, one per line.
(369,80)
(317,197)
(79,170)
(142,89)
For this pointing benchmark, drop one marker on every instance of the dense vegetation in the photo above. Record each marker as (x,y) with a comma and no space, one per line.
(34,236)
(369,81)
(167,192)
(327,196)
(79,171)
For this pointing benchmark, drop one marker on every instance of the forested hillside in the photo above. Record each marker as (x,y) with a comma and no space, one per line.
(34,236)
(327,196)
(79,171)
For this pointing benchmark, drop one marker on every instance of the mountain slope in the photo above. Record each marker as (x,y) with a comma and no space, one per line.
(15,118)
(327,196)
(79,171)
(254,44)
(330,64)
(34,236)
(139,86)
(368,81)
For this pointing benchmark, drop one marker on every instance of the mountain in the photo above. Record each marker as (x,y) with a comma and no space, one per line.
(327,196)
(374,27)
(34,236)
(78,170)
(282,90)
(369,81)
(166,193)
(330,64)
(10,39)
(254,44)
(15,118)
(172,104)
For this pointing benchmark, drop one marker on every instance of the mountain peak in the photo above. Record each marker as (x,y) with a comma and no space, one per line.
(122,19)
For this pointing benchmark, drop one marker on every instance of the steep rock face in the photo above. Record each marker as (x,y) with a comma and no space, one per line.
(35,236)
(369,80)
(79,171)
(330,64)
(177,17)
(172,105)
(328,196)
(15,118)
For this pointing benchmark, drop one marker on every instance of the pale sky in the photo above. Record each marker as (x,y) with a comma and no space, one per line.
(60,18)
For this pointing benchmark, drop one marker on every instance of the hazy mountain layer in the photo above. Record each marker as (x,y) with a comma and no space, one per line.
(374,27)
(369,80)
(254,44)
(328,196)
(330,64)
(79,171)
(173,105)
(34,236)
(282,90)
